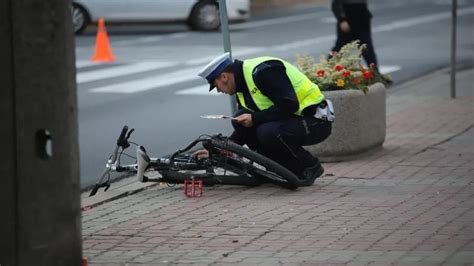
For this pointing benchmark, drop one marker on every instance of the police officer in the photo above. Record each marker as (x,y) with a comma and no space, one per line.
(277,107)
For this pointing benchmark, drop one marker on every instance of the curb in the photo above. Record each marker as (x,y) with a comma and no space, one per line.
(118,189)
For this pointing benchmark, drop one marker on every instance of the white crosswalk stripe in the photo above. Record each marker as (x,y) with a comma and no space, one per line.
(329,20)
(388,69)
(199,90)
(84,63)
(156,82)
(239,53)
(118,71)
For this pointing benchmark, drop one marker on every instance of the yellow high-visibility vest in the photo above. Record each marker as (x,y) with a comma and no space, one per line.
(306,91)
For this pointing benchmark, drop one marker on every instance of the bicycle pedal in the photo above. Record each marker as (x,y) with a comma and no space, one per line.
(190,188)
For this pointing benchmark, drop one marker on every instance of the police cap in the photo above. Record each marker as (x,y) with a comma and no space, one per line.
(214,68)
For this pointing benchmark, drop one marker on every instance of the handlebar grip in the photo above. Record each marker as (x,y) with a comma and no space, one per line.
(94,190)
(97,186)
(122,135)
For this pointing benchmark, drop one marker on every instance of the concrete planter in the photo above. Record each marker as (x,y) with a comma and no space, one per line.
(359,126)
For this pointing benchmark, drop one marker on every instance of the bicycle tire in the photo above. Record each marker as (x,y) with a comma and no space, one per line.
(274,172)
(198,171)
(177,177)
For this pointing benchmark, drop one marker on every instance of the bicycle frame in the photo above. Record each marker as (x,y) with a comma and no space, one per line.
(168,167)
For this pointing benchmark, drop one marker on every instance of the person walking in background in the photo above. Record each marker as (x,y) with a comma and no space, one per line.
(353,23)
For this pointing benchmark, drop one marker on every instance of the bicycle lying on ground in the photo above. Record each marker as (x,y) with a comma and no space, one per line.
(227,164)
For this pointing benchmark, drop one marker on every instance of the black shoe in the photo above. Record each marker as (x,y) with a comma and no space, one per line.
(387,80)
(310,174)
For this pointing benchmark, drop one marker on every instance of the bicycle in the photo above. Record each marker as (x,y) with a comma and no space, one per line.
(227,164)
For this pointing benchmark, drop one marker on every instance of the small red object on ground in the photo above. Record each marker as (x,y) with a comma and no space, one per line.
(190,191)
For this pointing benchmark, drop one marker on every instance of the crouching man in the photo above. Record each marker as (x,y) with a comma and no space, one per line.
(280,110)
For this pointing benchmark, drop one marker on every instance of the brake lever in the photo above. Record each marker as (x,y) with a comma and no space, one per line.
(123,141)
(129,133)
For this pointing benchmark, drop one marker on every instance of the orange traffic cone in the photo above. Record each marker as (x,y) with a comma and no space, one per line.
(103,53)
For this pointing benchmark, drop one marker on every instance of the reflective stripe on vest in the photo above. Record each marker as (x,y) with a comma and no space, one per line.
(306,91)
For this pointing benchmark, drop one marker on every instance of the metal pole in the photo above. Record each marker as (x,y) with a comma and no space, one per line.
(453,48)
(225,26)
(225,34)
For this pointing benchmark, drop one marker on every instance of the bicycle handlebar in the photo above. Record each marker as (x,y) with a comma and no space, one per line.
(122,134)
(122,140)
(129,133)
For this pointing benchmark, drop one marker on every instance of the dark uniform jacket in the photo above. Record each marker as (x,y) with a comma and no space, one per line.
(272,81)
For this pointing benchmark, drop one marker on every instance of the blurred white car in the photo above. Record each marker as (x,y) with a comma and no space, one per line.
(199,14)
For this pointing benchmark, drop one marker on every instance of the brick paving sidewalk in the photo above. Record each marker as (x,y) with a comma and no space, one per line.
(410,203)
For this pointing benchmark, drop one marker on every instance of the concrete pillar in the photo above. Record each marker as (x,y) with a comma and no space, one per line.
(39,160)
(7,135)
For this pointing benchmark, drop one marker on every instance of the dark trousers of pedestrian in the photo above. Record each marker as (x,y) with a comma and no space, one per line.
(363,35)
(282,140)
(358,18)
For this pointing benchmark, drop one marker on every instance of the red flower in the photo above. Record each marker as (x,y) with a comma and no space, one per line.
(367,75)
(320,73)
(346,73)
(339,68)
(372,65)
(356,81)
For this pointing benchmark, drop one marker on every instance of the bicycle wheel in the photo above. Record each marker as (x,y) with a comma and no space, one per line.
(189,167)
(255,164)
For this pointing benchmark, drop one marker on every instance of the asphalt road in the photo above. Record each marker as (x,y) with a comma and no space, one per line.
(153,86)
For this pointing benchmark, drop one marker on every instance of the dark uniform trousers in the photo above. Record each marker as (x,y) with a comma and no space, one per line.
(282,140)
